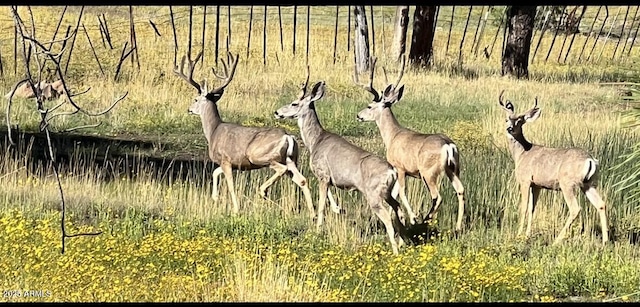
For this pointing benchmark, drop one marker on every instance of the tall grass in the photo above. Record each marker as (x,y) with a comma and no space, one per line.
(576,111)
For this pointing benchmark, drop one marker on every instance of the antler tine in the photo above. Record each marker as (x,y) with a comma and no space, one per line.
(179,71)
(536,102)
(401,73)
(369,88)
(384,72)
(500,98)
(228,76)
(303,86)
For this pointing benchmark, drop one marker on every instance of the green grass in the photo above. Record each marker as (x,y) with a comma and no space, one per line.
(576,111)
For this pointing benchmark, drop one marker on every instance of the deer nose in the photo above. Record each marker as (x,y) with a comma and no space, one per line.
(360,119)
(276,114)
(510,129)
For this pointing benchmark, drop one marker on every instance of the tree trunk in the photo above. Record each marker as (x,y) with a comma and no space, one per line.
(421,52)
(361,39)
(400,32)
(515,60)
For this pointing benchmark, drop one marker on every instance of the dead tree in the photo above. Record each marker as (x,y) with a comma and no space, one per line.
(400,32)
(41,54)
(515,60)
(421,52)
(361,50)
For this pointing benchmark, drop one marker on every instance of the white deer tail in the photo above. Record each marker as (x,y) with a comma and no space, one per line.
(291,143)
(449,152)
(590,168)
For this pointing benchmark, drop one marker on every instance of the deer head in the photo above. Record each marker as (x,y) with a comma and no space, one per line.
(204,95)
(304,103)
(391,94)
(515,122)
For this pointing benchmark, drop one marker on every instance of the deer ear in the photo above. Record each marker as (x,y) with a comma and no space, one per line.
(532,115)
(317,92)
(508,107)
(387,90)
(399,92)
(214,97)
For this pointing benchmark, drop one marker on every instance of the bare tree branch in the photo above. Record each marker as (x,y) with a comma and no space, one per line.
(42,54)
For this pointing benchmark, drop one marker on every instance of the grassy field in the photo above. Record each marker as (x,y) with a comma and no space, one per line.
(168,241)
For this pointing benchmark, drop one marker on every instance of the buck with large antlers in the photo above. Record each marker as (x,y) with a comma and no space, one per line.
(419,155)
(538,167)
(336,162)
(233,146)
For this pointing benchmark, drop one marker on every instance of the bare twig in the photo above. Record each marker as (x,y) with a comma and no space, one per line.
(41,53)
(95,55)
(73,41)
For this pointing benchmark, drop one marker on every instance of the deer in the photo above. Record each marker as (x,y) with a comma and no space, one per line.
(50,91)
(235,147)
(414,154)
(539,167)
(336,162)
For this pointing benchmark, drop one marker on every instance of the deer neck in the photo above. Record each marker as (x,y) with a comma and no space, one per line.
(310,128)
(210,120)
(388,126)
(518,145)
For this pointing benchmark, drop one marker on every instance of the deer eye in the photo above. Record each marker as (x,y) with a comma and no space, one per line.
(368,107)
(294,104)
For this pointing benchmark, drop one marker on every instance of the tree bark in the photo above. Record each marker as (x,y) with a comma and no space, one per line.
(361,39)
(421,52)
(400,32)
(515,60)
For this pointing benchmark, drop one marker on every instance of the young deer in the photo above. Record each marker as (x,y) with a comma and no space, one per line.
(233,146)
(336,162)
(539,167)
(419,155)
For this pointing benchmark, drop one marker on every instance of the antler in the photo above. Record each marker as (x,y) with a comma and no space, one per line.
(391,87)
(369,88)
(508,105)
(536,103)
(303,86)
(191,65)
(401,73)
(227,77)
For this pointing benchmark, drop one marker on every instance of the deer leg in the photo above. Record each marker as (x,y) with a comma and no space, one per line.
(226,168)
(432,183)
(457,185)
(525,190)
(594,197)
(299,179)
(398,219)
(323,187)
(334,205)
(531,206)
(574,210)
(216,174)
(280,169)
(385,217)
(403,195)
